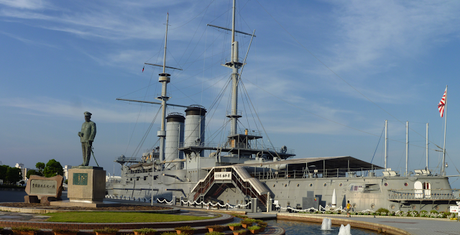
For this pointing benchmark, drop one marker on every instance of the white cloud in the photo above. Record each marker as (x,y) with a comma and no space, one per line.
(44,106)
(376,35)
(25,4)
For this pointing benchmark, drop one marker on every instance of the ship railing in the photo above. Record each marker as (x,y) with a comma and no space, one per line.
(424,194)
(268,173)
(240,145)
(203,204)
(204,185)
(247,186)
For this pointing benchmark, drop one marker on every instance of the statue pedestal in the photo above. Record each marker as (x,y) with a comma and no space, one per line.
(86,184)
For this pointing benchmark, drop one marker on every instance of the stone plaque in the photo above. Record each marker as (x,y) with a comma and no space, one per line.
(80,178)
(42,187)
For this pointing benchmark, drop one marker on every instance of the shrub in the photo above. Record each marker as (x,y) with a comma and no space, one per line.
(255,227)
(234,224)
(214,233)
(106,230)
(433,211)
(186,228)
(169,233)
(216,228)
(25,229)
(58,230)
(248,221)
(382,210)
(145,230)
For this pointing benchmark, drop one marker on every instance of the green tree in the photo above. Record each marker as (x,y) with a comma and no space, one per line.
(40,167)
(31,172)
(3,169)
(53,168)
(13,175)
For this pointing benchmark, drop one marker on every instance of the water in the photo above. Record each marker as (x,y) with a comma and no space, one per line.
(300,228)
(327,224)
(345,230)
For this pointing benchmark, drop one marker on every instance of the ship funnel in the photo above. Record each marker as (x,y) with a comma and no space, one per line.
(174,136)
(194,126)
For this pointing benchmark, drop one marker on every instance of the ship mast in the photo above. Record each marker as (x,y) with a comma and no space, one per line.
(164,79)
(235,65)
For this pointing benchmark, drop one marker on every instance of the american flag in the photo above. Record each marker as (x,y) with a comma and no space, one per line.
(442,104)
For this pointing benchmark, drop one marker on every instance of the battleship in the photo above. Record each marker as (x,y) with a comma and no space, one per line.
(242,171)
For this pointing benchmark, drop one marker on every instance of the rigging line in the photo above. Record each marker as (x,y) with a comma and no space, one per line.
(180,90)
(217,101)
(223,13)
(155,144)
(245,111)
(190,42)
(219,97)
(151,75)
(257,115)
(377,144)
(138,148)
(199,55)
(314,114)
(201,13)
(137,120)
(327,67)
(330,120)
(171,84)
(171,54)
(249,100)
(452,162)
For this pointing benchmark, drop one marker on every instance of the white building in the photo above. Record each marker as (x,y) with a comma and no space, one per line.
(66,171)
(23,170)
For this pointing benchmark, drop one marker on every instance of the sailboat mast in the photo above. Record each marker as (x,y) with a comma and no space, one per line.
(386,143)
(164,79)
(427,147)
(443,167)
(407,148)
(234,65)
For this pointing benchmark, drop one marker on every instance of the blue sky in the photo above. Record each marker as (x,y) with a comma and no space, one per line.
(323,75)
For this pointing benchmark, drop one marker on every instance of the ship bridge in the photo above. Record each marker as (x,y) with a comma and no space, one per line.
(218,178)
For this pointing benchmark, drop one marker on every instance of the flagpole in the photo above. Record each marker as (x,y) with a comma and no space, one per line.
(443,168)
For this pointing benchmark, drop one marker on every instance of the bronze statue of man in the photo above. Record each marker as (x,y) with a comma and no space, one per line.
(87,134)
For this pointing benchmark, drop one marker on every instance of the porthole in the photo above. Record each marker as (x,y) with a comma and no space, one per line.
(372,206)
(405,184)
(354,205)
(385,184)
(392,206)
(311,185)
(297,185)
(414,207)
(340,184)
(273,185)
(285,185)
(324,184)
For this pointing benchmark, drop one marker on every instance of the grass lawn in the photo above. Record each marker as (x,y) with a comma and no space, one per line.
(117,217)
